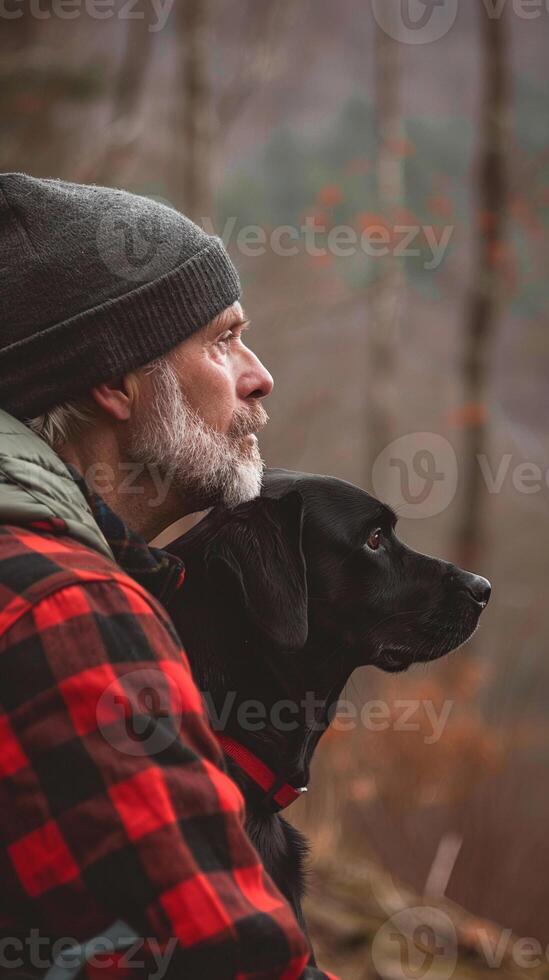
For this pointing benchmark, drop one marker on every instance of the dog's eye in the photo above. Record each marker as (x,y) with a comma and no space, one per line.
(374,539)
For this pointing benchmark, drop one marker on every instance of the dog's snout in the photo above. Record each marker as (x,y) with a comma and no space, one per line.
(477,586)
(481,589)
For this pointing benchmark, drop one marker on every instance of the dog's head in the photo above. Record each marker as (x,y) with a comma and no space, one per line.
(393,605)
(317,560)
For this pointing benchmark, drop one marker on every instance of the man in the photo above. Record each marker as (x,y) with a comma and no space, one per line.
(135,378)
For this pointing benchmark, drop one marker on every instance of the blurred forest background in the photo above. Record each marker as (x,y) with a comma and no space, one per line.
(282,112)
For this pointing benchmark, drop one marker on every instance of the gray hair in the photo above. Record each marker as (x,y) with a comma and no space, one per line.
(60,424)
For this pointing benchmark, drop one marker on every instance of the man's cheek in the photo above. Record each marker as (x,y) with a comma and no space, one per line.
(215,400)
(218,420)
(219,413)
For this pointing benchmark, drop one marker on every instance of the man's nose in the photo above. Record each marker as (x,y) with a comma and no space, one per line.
(254,381)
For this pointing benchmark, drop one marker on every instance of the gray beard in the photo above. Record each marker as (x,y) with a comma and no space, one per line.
(205,465)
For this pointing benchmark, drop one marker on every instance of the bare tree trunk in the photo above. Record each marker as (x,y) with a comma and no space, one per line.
(262,58)
(17,33)
(23,130)
(201,116)
(127,97)
(485,296)
(194,131)
(383,324)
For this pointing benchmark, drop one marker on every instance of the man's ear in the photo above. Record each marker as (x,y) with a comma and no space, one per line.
(258,561)
(115,398)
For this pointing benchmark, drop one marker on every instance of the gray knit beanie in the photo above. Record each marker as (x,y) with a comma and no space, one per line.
(94,283)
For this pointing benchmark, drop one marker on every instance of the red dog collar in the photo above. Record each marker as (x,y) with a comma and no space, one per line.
(278,797)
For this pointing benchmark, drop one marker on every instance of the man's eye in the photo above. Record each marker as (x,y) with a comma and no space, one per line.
(374,539)
(226,339)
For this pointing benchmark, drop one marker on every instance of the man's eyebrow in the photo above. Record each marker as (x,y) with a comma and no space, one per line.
(242,321)
(225,322)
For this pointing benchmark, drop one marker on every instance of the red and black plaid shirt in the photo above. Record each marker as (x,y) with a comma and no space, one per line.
(113,799)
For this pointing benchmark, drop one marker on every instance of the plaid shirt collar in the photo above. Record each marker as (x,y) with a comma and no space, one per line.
(157,571)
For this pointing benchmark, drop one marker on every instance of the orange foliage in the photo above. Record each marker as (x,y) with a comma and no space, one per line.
(322,260)
(330,195)
(487,221)
(401,148)
(410,766)
(524,212)
(468,416)
(503,260)
(405,217)
(441,204)
(28,102)
(367,220)
(375,224)
(320,218)
(501,254)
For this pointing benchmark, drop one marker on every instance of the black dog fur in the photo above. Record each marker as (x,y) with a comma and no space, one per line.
(285,596)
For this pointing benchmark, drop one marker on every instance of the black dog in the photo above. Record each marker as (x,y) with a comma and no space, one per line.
(284,597)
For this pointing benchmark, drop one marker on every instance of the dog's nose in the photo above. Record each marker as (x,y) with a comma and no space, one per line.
(479,588)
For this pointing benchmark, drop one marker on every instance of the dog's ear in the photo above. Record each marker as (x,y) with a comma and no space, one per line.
(258,561)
